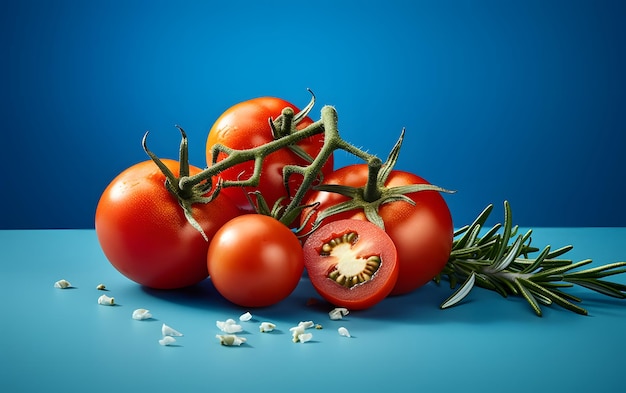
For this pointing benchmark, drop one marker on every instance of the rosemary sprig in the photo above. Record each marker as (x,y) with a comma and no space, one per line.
(499,260)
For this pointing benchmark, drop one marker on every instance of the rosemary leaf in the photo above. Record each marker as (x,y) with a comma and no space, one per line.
(460,293)
(530,298)
(600,286)
(600,271)
(535,265)
(554,296)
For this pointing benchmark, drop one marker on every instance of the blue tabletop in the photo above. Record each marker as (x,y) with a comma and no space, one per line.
(63,340)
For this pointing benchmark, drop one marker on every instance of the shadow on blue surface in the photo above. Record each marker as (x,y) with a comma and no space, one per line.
(421,307)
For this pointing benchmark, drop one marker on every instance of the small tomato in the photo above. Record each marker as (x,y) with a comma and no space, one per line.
(255,261)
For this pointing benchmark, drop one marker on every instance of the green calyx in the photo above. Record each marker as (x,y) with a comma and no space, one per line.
(186,196)
(375,193)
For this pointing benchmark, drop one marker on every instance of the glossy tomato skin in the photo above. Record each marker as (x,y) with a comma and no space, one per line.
(244,126)
(423,234)
(255,261)
(143,231)
(370,240)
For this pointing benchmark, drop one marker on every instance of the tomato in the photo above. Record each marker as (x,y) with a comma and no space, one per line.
(351,263)
(244,126)
(422,233)
(143,231)
(255,261)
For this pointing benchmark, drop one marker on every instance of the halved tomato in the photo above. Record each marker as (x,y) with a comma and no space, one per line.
(351,263)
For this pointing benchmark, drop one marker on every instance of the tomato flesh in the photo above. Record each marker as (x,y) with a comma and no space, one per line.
(351,263)
(255,261)
(422,232)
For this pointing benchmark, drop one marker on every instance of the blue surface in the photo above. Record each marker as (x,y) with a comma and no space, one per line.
(517,100)
(63,340)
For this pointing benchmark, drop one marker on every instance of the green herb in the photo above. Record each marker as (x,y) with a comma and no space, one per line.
(498,259)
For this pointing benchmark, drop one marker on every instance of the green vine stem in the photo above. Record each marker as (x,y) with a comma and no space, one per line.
(374,193)
(500,262)
(186,186)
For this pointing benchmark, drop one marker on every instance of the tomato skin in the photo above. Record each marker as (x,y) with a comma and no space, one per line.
(371,240)
(244,126)
(143,231)
(423,234)
(255,261)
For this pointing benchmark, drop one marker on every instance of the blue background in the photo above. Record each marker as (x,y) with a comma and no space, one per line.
(516,100)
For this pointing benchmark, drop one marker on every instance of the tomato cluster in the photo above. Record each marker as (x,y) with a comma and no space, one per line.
(160,235)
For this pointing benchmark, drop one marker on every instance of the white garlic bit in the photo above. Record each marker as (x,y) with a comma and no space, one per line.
(306,324)
(230,339)
(266,327)
(304,337)
(343,332)
(141,313)
(338,313)
(168,331)
(104,300)
(167,340)
(62,284)
(101,287)
(245,317)
(229,326)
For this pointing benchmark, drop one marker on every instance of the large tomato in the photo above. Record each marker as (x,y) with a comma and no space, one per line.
(244,126)
(255,261)
(144,233)
(351,263)
(422,233)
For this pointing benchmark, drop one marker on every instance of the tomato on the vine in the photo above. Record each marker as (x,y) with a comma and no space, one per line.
(144,233)
(351,263)
(246,125)
(255,261)
(422,232)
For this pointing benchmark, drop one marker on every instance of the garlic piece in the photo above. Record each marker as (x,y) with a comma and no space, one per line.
(338,313)
(298,333)
(229,326)
(106,301)
(101,287)
(343,332)
(230,339)
(141,313)
(306,324)
(168,331)
(266,327)
(245,317)
(167,340)
(304,337)
(62,284)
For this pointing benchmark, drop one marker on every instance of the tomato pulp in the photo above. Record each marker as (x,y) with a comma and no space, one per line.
(351,263)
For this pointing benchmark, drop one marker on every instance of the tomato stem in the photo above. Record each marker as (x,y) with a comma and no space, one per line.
(372,190)
(332,141)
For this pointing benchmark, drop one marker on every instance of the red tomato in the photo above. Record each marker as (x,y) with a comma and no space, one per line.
(422,233)
(255,261)
(144,233)
(244,126)
(351,263)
